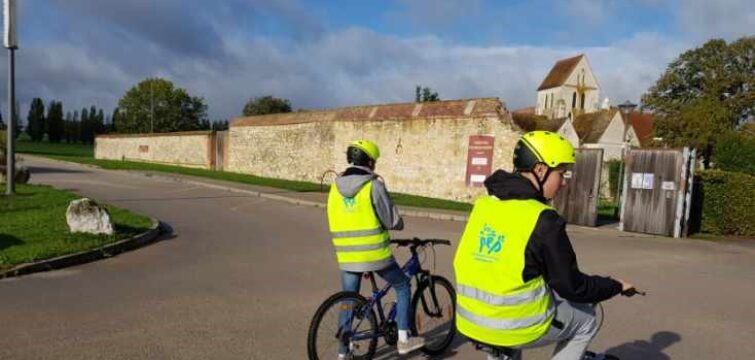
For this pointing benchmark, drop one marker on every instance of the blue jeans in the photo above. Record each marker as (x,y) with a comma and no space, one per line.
(351,281)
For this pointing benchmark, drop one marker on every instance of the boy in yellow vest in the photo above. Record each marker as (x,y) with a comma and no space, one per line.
(518,283)
(360,213)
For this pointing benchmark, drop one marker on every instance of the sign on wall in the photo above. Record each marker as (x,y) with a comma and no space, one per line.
(479,159)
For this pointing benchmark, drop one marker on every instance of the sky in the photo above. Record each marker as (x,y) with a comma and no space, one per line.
(323,54)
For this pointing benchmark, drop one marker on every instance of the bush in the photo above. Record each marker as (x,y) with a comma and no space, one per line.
(735,151)
(726,199)
(614,167)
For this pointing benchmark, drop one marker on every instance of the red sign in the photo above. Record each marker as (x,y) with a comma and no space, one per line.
(479,159)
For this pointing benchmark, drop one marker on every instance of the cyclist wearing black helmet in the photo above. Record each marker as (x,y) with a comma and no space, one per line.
(360,213)
(518,283)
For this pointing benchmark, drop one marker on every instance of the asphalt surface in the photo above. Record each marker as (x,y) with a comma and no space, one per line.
(240,277)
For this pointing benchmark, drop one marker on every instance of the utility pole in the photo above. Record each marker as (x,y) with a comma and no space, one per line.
(11,43)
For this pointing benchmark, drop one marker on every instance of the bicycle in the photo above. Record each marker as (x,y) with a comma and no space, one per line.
(507,353)
(434,302)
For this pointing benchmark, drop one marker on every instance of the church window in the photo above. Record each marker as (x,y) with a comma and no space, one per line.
(574,100)
(582,103)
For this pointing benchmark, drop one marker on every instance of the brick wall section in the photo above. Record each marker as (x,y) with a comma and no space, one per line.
(192,149)
(423,146)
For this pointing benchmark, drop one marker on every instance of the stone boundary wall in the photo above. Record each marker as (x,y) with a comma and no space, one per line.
(424,147)
(191,149)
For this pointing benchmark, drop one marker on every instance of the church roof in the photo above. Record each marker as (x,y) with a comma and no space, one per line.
(560,72)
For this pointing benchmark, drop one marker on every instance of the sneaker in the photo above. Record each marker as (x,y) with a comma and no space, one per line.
(414,343)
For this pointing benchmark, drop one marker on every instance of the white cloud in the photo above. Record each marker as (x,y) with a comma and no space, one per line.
(351,67)
(704,19)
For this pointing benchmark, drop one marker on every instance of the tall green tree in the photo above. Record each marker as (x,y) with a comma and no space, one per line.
(704,92)
(266,105)
(35,120)
(156,104)
(425,94)
(55,124)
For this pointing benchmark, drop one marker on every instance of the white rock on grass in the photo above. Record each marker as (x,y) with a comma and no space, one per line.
(84,215)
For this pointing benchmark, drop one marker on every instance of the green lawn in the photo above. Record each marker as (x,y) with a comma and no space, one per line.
(24,145)
(34,227)
(80,154)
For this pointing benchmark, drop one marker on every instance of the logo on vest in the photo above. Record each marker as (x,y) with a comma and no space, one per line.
(491,244)
(349,204)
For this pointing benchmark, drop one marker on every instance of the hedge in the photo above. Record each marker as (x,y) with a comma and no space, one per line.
(735,151)
(727,202)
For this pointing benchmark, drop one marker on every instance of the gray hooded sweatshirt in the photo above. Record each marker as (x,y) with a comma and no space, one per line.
(354,178)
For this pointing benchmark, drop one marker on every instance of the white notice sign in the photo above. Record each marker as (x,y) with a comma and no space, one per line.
(647,181)
(479,161)
(637,180)
(477,178)
(668,185)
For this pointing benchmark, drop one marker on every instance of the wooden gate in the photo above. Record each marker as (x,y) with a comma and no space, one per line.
(578,202)
(657,191)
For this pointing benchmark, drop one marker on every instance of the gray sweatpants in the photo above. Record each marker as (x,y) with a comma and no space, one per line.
(579,328)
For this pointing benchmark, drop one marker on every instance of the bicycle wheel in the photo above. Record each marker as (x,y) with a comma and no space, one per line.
(344,323)
(434,314)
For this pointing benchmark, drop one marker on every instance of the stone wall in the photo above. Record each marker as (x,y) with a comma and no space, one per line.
(423,146)
(191,149)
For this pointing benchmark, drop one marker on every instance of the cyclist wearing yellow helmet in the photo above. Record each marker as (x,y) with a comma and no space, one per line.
(518,283)
(360,213)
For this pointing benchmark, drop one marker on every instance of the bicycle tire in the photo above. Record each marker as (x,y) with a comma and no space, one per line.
(438,342)
(315,325)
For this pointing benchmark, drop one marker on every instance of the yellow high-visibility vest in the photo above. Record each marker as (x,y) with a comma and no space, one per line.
(494,305)
(361,242)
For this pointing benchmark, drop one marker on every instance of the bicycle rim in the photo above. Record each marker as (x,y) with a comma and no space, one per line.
(434,316)
(343,324)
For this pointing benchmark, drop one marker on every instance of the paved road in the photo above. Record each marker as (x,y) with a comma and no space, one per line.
(240,277)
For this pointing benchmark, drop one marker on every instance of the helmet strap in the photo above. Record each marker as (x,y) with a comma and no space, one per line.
(541,182)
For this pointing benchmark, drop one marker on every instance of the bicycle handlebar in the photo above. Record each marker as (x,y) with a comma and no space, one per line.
(632,292)
(416,242)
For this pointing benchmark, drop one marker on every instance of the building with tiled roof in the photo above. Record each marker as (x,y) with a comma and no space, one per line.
(569,89)
(642,123)
(605,130)
(529,122)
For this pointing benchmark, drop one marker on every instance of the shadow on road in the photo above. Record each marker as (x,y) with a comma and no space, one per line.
(51,170)
(646,350)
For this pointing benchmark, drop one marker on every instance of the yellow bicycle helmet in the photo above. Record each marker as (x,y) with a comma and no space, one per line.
(544,147)
(360,152)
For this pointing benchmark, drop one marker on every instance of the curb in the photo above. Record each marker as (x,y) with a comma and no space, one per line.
(287,199)
(86,256)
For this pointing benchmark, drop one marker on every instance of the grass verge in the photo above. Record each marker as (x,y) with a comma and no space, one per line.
(34,227)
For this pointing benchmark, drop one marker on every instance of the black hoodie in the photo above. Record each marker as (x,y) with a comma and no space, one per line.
(549,252)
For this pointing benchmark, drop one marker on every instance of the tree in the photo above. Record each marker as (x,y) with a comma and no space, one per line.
(113,121)
(85,126)
(425,94)
(55,125)
(157,105)
(704,92)
(35,120)
(266,105)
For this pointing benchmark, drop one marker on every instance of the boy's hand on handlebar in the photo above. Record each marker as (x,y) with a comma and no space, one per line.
(628,290)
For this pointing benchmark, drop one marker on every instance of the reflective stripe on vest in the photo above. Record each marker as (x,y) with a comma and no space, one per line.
(494,304)
(359,239)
